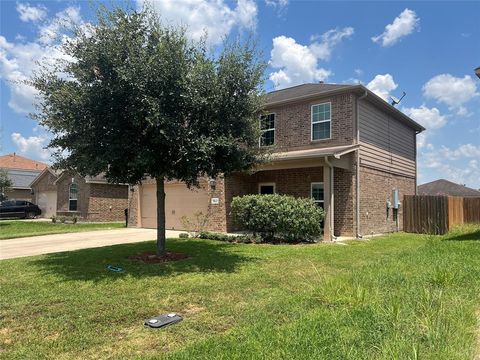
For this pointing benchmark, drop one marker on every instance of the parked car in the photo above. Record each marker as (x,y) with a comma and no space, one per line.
(18,209)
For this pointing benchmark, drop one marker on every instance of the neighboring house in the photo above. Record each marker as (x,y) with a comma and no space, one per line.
(445,187)
(341,145)
(22,171)
(89,198)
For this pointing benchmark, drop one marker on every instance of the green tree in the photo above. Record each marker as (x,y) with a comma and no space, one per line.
(5,184)
(137,99)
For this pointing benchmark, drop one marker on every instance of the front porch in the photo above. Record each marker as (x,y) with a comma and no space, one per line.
(314,176)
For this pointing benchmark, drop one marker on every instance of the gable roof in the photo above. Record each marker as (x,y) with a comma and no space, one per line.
(14,161)
(445,187)
(45,171)
(22,179)
(310,91)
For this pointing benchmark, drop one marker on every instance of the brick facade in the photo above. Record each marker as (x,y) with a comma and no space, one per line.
(375,189)
(45,183)
(95,202)
(293,132)
(344,188)
(293,123)
(107,202)
(295,182)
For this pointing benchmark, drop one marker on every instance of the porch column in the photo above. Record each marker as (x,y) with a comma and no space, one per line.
(328,203)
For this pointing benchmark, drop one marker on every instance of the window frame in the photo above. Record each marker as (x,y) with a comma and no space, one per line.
(320,121)
(322,202)
(270,129)
(266,184)
(70,198)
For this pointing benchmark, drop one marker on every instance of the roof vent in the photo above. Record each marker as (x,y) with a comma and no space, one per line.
(321,82)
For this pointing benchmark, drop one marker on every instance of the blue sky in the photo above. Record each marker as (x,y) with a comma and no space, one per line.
(427,49)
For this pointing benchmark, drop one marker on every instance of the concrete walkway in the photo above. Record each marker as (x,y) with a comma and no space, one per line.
(45,244)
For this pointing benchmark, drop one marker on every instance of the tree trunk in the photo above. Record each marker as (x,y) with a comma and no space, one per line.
(160,217)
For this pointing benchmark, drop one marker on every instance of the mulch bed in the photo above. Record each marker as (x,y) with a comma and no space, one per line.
(152,258)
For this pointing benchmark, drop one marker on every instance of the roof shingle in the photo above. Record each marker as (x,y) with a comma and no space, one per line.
(445,187)
(14,161)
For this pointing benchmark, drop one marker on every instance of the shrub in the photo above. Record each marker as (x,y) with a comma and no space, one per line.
(54,219)
(74,220)
(183,235)
(246,239)
(195,224)
(278,217)
(62,219)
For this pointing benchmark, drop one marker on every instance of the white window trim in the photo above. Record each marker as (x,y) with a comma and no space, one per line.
(262,131)
(320,121)
(267,184)
(311,192)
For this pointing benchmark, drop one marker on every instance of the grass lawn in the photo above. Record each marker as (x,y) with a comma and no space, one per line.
(396,297)
(10,229)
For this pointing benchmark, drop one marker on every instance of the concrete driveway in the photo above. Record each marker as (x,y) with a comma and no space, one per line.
(45,244)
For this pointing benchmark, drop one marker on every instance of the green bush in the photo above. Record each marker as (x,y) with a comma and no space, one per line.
(278,217)
(54,219)
(74,220)
(183,235)
(246,239)
(62,219)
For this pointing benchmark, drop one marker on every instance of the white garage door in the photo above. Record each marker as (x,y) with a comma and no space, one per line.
(179,201)
(47,202)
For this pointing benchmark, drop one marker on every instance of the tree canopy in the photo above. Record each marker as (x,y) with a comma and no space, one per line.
(138,99)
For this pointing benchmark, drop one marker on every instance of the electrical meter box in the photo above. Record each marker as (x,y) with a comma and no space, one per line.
(395,199)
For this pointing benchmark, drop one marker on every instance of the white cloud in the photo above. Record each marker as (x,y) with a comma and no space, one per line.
(463,151)
(430,118)
(323,49)
(403,25)
(19,60)
(53,29)
(33,146)
(280,4)
(451,90)
(460,165)
(297,63)
(215,17)
(31,13)
(382,85)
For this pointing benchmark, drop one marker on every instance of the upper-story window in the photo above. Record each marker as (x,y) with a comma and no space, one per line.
(267,127)
(321,121)
(72,198)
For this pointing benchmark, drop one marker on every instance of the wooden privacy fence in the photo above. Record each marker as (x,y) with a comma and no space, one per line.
(428,214)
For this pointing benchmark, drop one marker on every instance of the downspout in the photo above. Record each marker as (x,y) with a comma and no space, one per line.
(332,199)
(357,192)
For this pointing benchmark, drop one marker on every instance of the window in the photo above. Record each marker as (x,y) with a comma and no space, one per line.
(267,127)
(321,121)
(72,198)
(316,190)
(266,188)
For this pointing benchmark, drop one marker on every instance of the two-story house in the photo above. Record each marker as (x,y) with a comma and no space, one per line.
(346,148)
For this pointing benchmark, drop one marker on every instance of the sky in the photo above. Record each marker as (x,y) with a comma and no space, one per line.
(428,50)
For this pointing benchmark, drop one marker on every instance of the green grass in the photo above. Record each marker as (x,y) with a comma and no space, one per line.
(396,297)
(10,229)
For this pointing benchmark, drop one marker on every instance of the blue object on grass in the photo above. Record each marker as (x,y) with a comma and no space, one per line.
(114,268)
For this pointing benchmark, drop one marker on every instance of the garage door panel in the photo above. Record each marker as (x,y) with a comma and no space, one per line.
(179,201)
(47,202)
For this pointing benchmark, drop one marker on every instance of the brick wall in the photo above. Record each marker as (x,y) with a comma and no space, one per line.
(375,189)
(344,202)
(46,183)
(107,202)
(293,123)
(133,206)
(63,191)
(295,182)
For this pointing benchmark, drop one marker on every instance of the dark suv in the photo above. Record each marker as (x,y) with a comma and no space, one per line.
(18,209)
